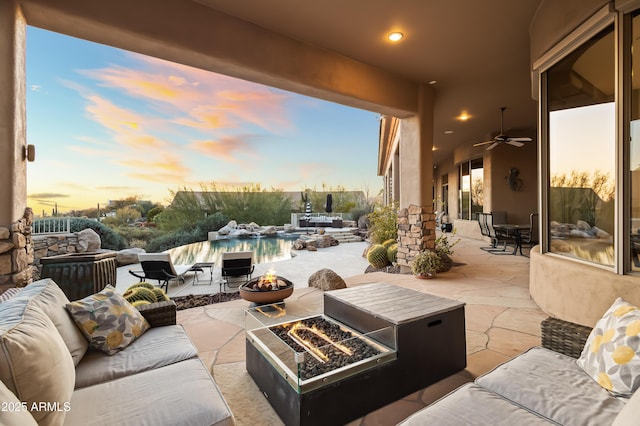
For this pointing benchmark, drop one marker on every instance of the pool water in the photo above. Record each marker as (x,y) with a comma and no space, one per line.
(265,249)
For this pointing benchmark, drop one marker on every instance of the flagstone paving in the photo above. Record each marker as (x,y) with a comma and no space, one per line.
(501,319)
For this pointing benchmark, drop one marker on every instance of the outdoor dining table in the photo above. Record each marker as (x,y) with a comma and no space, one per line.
(515,230)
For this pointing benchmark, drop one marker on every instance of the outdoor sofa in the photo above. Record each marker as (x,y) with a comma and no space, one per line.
(50,376)
(544,385)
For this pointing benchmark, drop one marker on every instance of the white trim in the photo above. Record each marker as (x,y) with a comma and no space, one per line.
(592,26)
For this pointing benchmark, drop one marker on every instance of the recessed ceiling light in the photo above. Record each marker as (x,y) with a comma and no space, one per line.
(395,36)
(433,82)
(448,132)
(464,116)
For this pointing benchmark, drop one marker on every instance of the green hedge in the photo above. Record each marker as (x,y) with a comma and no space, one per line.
(110,239)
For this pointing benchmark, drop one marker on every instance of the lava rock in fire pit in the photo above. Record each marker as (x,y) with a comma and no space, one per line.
(315,331)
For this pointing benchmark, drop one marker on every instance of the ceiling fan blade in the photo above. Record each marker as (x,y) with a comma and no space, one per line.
(515,143)
(521,139)
(483,143)
(493,145)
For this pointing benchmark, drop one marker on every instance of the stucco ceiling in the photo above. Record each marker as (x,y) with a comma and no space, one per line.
(477,51)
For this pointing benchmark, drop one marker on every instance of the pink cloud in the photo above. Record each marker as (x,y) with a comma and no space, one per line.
(199,98)
(227,148)
(165,170)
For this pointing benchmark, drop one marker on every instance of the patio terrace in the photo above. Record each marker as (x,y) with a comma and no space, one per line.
(501,322)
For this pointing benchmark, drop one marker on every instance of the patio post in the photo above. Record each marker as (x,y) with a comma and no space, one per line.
(16,251)
(416,221)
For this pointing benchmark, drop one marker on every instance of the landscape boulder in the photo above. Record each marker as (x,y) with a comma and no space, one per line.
(228,228)
(325,279)
(88,240)
(299,244)
(129,256)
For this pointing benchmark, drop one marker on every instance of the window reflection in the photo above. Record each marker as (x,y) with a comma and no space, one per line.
(581,118)
(634,148)
(471,191)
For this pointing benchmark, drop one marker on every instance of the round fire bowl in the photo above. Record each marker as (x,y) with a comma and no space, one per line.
(265,297)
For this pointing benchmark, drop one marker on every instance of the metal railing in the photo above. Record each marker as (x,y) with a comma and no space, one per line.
(51,225)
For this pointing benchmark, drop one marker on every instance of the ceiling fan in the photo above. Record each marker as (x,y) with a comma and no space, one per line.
(502,138)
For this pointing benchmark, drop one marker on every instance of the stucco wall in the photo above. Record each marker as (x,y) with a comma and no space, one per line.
(566,289)
(521,203)
(575,291)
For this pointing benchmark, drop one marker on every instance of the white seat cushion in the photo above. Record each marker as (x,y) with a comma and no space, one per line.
(158,347)
(554,386)
(178,394)
(471,404)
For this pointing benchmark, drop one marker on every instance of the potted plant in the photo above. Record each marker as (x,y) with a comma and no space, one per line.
(426,264)
(444,248)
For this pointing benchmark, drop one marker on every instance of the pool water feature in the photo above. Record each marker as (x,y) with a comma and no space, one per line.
(265,249)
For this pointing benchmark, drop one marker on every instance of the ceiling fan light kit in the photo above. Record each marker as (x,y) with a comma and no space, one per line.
(502,138)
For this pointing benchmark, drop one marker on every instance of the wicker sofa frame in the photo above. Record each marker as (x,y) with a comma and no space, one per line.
(159,313)
(563,336)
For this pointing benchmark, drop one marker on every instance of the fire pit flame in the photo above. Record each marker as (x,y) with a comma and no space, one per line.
(269,281)
(313,349)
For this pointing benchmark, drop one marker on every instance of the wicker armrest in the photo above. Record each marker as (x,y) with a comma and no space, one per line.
(564,337)
(160,313)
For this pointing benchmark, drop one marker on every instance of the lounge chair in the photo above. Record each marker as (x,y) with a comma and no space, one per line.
(158,266)
(237,268)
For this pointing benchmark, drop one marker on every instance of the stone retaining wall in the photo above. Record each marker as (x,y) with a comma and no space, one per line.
(53,245)
(16,253)
(416,232)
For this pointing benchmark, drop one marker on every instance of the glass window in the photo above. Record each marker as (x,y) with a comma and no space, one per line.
(634,149)
(470,195)
(581,121)
(477,192)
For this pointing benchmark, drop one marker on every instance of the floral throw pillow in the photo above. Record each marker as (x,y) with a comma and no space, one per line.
(107,320)
(611,355)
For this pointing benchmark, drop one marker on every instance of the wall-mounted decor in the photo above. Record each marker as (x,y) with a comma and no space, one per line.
(515,183)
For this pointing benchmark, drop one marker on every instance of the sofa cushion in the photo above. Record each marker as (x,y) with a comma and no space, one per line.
(107,320)
(51,300)
(628,416)
(471,404)
(9,293)
(554,386)
(183,393)
(611,355)
(158,347)
(13,411)
(35,363)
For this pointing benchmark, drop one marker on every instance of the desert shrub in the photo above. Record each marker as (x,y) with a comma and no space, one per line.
(384,224)
(188,234)
(110,239)
(135,236)
(171,240)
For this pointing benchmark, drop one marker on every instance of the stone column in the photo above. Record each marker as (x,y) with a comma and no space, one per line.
(416,232)
(16,252)
(416,221)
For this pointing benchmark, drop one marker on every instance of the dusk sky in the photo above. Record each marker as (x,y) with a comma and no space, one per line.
(108,124)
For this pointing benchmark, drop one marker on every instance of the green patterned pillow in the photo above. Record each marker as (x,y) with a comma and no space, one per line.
(107,320)
(611,355)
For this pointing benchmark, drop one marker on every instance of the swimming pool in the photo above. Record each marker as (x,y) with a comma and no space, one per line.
(265,249)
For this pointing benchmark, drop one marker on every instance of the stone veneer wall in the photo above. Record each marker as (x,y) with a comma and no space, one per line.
(52,245)
(416,232)
(16,253)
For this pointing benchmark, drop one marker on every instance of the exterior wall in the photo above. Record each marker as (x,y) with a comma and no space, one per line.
(575,291)
(498,196)
(570,290)
(518,204)
(13,166)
